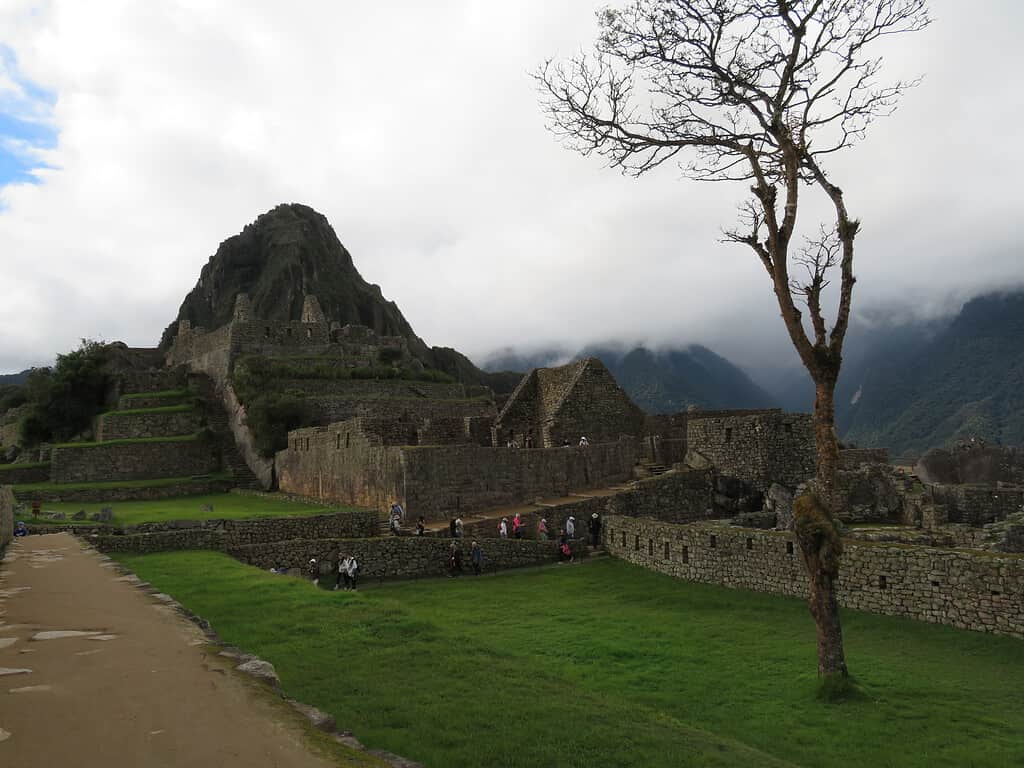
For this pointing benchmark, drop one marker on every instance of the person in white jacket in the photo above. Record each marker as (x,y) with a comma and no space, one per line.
(503,528)
(570,527)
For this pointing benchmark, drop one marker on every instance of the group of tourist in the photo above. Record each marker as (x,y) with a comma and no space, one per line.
(476,558)
(528,441)
(347,572)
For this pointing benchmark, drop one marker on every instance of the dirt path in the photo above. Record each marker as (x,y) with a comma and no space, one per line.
(139,691)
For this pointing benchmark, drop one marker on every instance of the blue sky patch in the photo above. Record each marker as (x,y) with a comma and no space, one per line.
(26,123)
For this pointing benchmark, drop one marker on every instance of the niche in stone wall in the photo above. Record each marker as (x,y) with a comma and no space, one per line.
(789,547)
(728,434)
(750,543)
(623,539)
(686,554)
(883,583)
(650,547)
(636,543)
(713,542)
(668,552)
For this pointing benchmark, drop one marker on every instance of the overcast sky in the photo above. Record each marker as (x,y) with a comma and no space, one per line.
(135,137)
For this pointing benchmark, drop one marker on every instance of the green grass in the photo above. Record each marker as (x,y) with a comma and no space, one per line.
(226,506)
(168,393)
(32,465)
(133,441)
(160,482)
(606,664)
(181,408)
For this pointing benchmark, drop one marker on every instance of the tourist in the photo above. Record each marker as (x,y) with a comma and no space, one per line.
(454,560)
(20,529)
(421,526)
(451,527)
(595,530)
(511,442)
(353,572)
(476,556)
(517,526)
(528,440)
(570,527)
(566,443)
(313,569)
(503,528)
(458,527)
(584,442)
(396,509)
(396,523)
(565,554)
(343,572)
(542,530)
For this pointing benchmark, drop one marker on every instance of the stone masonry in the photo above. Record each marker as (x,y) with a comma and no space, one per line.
(961,588)
(99,462)
(6,517)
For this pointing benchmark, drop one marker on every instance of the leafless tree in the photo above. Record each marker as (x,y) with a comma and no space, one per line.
(761,92)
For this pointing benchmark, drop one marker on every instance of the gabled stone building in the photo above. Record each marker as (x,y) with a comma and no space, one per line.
(561,404)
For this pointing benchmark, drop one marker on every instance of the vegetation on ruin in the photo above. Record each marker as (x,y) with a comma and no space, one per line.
(160,482)
(180,408)
(609,664)
(26,465)
(164,393)
(66,398)
(136,440)
(217,506)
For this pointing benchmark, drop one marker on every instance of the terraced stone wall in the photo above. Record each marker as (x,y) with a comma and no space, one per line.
(394,557)
(961,588)
(112,462)
(118,425)
(18,474)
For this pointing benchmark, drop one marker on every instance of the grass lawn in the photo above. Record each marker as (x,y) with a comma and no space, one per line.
(225,506)
(606,664)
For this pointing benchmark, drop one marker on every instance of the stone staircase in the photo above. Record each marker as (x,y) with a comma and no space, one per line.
(217,422)
(653,469)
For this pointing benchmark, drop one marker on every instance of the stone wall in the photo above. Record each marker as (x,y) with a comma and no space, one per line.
(972,463)
(375,389)
(106,493)
(112,462)
(342,463)
(124,425)
(330,408)
(224,535)
(964,589)
(19,474)
(401,557)
(443,480)
(6,517)
(150,380)
(757,447)
(675,497)
(852,458)
(260,466)
(978,505)
(135,402)
(597,407)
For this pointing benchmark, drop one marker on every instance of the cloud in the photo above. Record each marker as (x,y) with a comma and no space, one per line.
(415,128)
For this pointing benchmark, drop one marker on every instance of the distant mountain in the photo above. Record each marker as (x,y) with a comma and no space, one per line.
(918,385)
(922,390)
(659,381)
(292,251)
(14,378)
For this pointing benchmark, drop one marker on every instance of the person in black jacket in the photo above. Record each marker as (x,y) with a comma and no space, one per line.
(595,530)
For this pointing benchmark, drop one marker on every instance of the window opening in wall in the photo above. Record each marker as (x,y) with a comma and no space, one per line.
(750,543)
(347,436)
(714,542)
(636,544)
(309,333)
(338,438)
(668,555)
(788,428)
(882,583)
(623,539)
(995,594)
(307,443)
(266,332)
(789,547)
(728,434)
(686,554)
(935,583)
(650,547)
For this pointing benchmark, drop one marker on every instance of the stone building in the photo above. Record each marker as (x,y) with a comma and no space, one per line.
(563,404)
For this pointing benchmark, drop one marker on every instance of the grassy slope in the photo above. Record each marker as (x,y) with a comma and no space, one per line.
(225,506)
(608,664)
(157,482)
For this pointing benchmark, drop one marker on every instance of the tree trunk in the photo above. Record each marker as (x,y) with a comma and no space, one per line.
(823,572)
